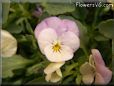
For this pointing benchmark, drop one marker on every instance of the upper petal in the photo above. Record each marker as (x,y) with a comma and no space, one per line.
(97,57)
(53,22)
(71,26)
(8,44)
(46,37)
(52,67)
(65,54)
(41,26)
(71,40)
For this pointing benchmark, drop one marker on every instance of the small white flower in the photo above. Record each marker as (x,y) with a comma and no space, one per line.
(8,44)
(53,72)
(58,48)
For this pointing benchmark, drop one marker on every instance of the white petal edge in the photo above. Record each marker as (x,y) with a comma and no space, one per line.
(46,37)
(65,54)
(71,40)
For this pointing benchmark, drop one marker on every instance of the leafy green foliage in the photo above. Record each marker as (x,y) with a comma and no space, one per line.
(11,63)
(107,28)
(55,9)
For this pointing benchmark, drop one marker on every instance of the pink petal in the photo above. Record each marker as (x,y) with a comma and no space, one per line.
(99,79)
(74,42)
(104,72)
(53,22)
(100,66)
(97,57)
(56,24)
(71,26)
(39,28)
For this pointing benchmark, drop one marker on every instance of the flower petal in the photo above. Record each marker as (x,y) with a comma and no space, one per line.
(39,28)
(58,71)
(65,54)
(71,26)
(104,72)
(47,36)
(53,22)
(55,77)
(88,79)
(99,79)
(52,67)
(97,57)
(86,69)
(48,77)
(71,40)
(8,44)
(91,61)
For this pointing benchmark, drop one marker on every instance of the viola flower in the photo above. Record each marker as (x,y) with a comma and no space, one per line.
(53,72)
(95,68)
(8,44)
(57,39)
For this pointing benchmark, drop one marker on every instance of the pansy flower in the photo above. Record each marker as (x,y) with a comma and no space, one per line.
(58,39)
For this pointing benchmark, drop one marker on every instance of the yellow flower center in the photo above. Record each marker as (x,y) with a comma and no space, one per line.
(56,47)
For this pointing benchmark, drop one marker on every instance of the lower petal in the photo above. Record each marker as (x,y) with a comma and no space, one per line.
(64,54)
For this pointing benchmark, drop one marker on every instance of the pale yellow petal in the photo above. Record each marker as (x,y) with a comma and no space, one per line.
(48,77)
(91,61)
(8,44)
(55,77)
(52,67)
(59,72)
(86,69)
(88,79)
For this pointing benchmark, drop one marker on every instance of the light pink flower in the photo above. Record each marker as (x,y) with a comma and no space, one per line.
(95,68)
(58,39)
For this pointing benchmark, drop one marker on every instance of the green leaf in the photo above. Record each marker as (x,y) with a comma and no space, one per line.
(5,8)
(11,63)
(61,8)
(100,37)
(107,28)
(14,28)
